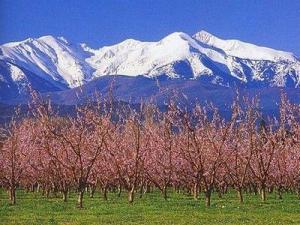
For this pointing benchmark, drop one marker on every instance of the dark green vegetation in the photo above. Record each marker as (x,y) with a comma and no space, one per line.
(32,208)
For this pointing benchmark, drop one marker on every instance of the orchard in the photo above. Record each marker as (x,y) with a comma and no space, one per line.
(103,148)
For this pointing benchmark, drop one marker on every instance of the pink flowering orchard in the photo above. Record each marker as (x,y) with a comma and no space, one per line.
(107,149)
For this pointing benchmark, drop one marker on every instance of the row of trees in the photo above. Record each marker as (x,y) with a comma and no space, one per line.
(123,149)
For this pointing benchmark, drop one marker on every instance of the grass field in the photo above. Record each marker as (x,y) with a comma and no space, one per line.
(32,208)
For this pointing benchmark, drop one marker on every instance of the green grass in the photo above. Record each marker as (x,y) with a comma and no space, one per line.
(32,208)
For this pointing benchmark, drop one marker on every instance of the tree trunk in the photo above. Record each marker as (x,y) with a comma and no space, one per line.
(165,190)
(92,191)
(65,195)
(255,190)
(240,195)
(279,193)
(220,193)
(225,189)
(12,195)
(32,187)
(80,199)
(105,193)
(131,195)
(207,197)
(263,193)
(196,191)
(147,189)
(55,190)
(141,190)
(47,192)
(270,190)
(119,191)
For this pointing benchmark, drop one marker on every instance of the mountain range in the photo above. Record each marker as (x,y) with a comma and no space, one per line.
(201,66)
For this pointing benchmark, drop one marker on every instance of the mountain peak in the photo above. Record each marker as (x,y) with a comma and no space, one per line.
(203,36)
(16,43)
(49,39)
(242,49)
(128,42)
(178,55)
(46,38)
(176,36)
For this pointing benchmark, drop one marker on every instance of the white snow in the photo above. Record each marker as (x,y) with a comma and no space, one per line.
(16,74)
(55,59)
(49,56)
(147,58)
(243,50)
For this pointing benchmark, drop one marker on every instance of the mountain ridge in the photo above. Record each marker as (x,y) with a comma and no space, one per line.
(62,65)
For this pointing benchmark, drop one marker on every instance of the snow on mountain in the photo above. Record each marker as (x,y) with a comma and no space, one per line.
(205,56)
(151,59)
(177,56)
(202,56)
(14,81)
(53,59)
(243,50)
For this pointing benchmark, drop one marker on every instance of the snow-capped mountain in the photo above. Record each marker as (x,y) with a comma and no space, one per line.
(202,56)
(14,81)
(52,59)
(56,64)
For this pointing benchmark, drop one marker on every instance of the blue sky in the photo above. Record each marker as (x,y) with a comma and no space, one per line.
(270,23)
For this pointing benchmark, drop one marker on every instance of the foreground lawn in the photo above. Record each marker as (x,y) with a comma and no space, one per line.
(32,208)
